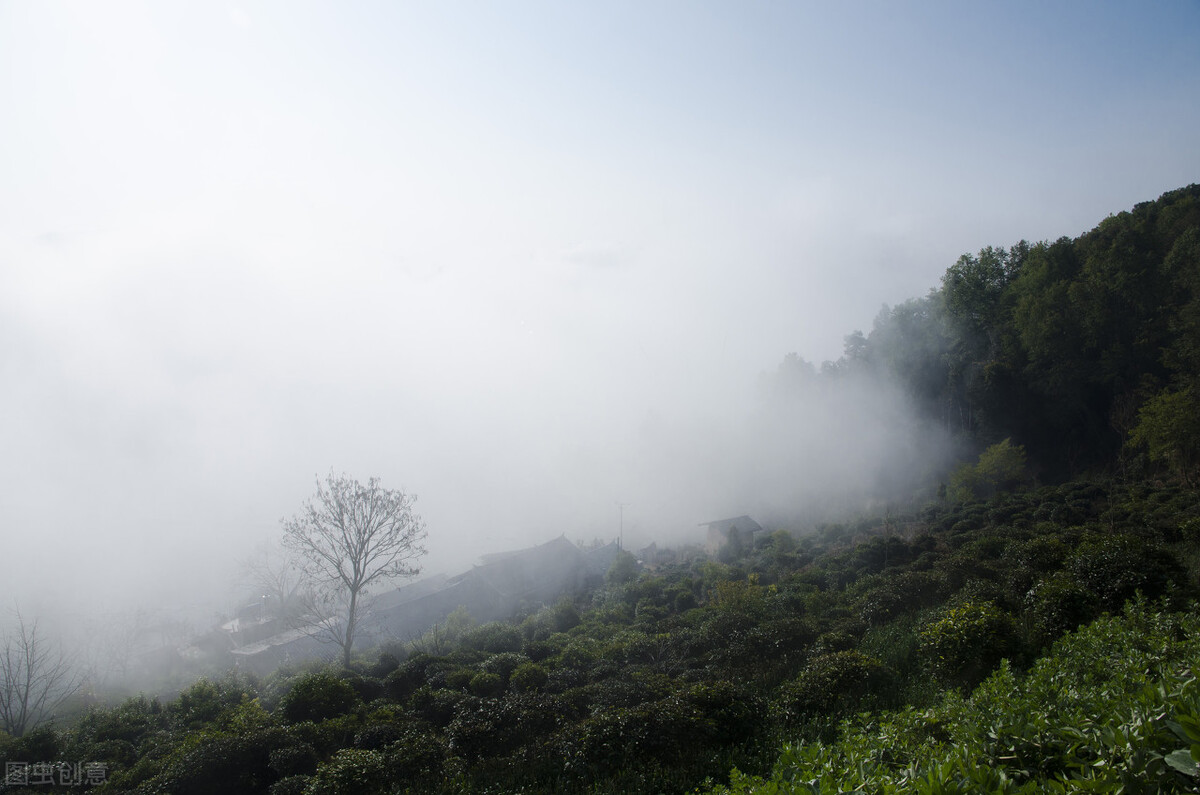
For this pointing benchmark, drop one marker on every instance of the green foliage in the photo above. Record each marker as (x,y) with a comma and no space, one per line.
(386,663)
(486,685)
(129,722)
(292,760)
(1116,567)
(1112,708)
(318,696)
(503,665)
(889,597)
(639,735)
(834,684)
(1055,345)
(963,642)
(222,763)
(41,743)
(495,637)
(1168,427)
(647,692)
(1000,467)
(623,569)
(352,771)
(436,706)
(291,785)
(527,677)
(735,711)
(1059,604)
(739,596)
(564,616)
(206,700)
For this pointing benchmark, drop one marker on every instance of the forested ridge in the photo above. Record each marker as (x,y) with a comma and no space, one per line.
(1074,349)
(1025,625)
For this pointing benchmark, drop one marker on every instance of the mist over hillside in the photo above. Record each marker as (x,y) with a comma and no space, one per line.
(537,265)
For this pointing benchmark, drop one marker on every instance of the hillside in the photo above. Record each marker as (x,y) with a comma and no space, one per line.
(672,677)
(991,634)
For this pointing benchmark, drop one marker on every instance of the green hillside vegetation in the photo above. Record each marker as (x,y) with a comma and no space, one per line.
(1024,623)
(1114,707)
(680,675)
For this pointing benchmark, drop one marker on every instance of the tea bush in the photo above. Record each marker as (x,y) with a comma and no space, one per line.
(318,696)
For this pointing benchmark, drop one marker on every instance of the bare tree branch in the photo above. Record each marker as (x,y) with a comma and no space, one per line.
(347,538)
(36,677)
(281,581)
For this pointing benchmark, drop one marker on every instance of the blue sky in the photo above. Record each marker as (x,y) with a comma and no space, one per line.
(471,248)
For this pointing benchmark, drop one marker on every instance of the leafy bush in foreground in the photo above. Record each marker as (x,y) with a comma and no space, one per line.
(318,696)
(1114,707)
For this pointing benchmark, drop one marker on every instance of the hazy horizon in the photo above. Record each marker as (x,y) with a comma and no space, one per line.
(526,261)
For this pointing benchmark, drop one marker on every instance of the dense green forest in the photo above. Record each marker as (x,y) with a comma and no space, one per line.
(1086,352)
(1028,628)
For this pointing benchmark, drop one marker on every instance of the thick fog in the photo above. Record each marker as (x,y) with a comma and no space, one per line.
(536,263)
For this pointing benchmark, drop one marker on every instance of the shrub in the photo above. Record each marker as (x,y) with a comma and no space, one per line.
(418,756)
(624,569)
(205,700)
(783,635)
(39,744)
(436,706)
(291,760)
(564,616)
(292,785)
(577,656)
(115,753)
(318,696)
(903,593)
(403,682)
(538,650)
(733,710)
(367,688)
(1114,707)
(488,727)
(494,637)
(682,599)
(486,685)
(1000,467)
(964,642)
(376,735)
(634,737)
(130,721)
(503,664)
(1115,567)
(352,771)
(223,763)
(527,676)
(386,663)
(454,679)
(835,684)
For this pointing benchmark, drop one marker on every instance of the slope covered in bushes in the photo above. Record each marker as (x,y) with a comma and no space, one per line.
(676,676)
(1073,362)
(1113,707)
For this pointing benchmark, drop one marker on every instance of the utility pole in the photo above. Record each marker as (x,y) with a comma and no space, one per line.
(621,506)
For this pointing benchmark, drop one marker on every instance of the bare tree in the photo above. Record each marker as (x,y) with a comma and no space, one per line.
(36,677)
(347,538)
(281,583)
(118,646)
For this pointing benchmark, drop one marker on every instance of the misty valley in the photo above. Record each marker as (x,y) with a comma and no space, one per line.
(973,567)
